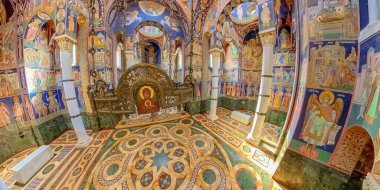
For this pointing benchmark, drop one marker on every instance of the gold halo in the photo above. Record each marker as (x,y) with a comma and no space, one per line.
(329,94)
(149,88)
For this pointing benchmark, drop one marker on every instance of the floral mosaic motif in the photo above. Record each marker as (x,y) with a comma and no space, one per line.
(166,156)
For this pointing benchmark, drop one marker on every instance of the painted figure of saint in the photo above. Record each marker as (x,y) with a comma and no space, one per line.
(277,98)
(36,80)
(39,106)
(28,108)
(5,117)
(224,92)
(33,30)
(80,97)
(233,90)
(320,126)
(286,99)
(18,110)
(363,102)
(330,76)
(265,15)
(53,102)
(148,104)
(373,104)
(256,91)
(249,90)
(70,22)
(6,87)
(284,39)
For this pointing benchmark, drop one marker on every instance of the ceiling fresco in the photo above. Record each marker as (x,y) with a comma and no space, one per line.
(245,13)
(145,11)
(141,12)
(151,31)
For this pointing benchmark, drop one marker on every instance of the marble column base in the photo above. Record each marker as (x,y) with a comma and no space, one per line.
(84,143)
(255,142)
(212,117)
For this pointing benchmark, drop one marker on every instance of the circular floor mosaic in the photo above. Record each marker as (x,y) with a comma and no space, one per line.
(169,156)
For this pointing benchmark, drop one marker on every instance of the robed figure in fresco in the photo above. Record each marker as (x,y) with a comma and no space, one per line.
(147,102)
(320,125)
(373,103)
(5,116)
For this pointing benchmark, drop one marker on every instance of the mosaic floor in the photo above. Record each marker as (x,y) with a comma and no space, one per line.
(187,153)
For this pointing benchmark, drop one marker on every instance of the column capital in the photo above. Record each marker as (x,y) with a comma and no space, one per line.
(216,50)
(268,38)
(65,43)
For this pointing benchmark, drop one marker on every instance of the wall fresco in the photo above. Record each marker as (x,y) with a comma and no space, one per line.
(266,15)
(332,65)
(321,123)
(333,20)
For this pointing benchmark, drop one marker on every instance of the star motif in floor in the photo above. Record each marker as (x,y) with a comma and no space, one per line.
(160,159)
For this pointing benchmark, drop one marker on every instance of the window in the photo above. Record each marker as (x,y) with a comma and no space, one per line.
(118,57)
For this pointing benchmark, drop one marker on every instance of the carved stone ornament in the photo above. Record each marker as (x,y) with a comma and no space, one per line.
(268,38)
(65,44)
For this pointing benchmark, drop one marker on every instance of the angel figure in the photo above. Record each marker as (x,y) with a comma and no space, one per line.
(131,17)
(320,125)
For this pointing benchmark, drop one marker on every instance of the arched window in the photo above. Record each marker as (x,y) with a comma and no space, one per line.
(179,66)
(118,57)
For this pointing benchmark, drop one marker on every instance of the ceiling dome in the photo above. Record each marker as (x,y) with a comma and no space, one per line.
(244,13)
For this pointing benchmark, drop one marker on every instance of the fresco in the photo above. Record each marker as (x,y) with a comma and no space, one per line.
(321,123)
(213,15)
(365,108)
(9,82)
(284,11)
(231,64)
(151,31)
(244,13)
(6,112)
(151,8)
(333,20)
(266,15)
(333,65)
(46,102)
(140,12)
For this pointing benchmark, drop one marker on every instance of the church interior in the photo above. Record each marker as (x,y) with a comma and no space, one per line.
(190,94)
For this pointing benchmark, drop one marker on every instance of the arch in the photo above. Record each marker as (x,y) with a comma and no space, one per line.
(350,148)
(150,23)
(179,14)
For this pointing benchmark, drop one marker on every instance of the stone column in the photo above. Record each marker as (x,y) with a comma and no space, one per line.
(373,10)
(2,185)
(215,53)
(267,39)
(66,56)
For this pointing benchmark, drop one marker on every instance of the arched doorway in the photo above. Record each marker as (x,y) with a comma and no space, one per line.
(355,152)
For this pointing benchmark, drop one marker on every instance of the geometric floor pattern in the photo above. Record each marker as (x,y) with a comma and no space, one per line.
(190,153)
